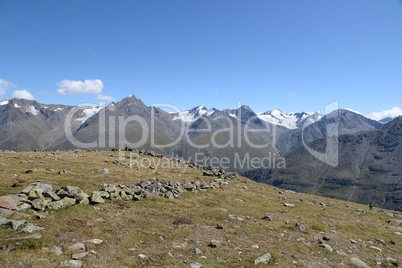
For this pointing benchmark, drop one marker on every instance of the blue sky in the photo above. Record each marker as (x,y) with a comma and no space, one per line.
(289,54)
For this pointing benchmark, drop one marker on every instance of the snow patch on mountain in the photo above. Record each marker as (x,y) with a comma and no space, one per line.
(193,114)
(3,102)
(58,109)
(291,120)
(89,112)
(16,105)
(31,109)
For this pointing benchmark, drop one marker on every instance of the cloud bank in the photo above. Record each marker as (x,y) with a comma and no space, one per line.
(71,87)
(105,97)
(394,112)
(4,86)
(22,94)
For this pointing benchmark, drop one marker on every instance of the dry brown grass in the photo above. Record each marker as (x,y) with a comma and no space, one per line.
(147,227)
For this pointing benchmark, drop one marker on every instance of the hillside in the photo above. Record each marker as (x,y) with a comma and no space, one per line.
(248,222)
(369,168)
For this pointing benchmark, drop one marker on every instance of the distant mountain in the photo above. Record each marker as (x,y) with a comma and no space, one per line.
(29,125)
(198,134)
(347,122)
(369,168)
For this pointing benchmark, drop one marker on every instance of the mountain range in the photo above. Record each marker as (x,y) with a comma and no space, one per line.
(237,136)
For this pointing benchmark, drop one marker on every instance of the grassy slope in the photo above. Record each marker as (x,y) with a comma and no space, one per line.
(147,226)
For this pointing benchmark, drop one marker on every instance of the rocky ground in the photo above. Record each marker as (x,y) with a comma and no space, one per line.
(140,209)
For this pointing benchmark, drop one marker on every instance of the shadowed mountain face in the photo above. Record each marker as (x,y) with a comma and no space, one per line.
(369,168)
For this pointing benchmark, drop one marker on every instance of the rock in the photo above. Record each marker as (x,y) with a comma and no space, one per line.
(214,243)
(195,265)
(33,236)
(23,207)
(9,214)
(29,228)
(327,247)
(359,263)
(142,256)
(219,226)
(40,186)
(94,241)
(51,195)
(359,211)
(267,218)
(288,205)
(30,171)
(169,195)
(376,248)
(301,228)
(71,263)
(104,171)
(389,214)
(14,224)
(195,250)
(56,251)
(79,256)
(78,246)
(39,203)
(263,259)
(8,203)
(96,198)
(65,202)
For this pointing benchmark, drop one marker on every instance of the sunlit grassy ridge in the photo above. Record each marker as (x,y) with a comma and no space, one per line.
(146,227)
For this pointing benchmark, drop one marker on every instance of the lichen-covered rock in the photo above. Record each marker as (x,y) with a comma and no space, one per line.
(77,246)
(52,195)
(103,171)
(96,198)
(65,202)
(263,259)
(39,203)
(35,193)
(115,196)
(41,186)
(169,195)
(29,228)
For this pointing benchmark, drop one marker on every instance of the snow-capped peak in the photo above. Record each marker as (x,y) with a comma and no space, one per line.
(89,112)
(291,120)
(193,114)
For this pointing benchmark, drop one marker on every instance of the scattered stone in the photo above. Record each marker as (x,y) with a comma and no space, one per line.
(267,218)
(219,226)
(33,236)
(142,256)
(288,205)
(71,263)
(56,251)
(376,248)
(79,256)
(327,247)
(94,241)
(16,184)
(301,228)
(29,228)
(353,241)
(30,171)
(389,214)
(263,259)
(214,243)
(195,265)
(359,263)
(104,171)
(195,250)
(78,246)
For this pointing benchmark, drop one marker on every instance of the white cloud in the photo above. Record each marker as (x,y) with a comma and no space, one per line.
(4,86)
(22,94)
(291,94)
(105,97)
(394,112)
(71,87)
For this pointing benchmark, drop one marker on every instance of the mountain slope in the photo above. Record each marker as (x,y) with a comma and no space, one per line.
(347,122)
(369,168)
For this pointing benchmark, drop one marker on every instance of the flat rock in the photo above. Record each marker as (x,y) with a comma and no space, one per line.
(94,241)
(9,214)
(32,236)
(79,256)
(65,202)
(56,251)
(195,265)
(288,205)
(7,202)
(71,263)
(358,263)
(263,259)
(104,171)
(77,246)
